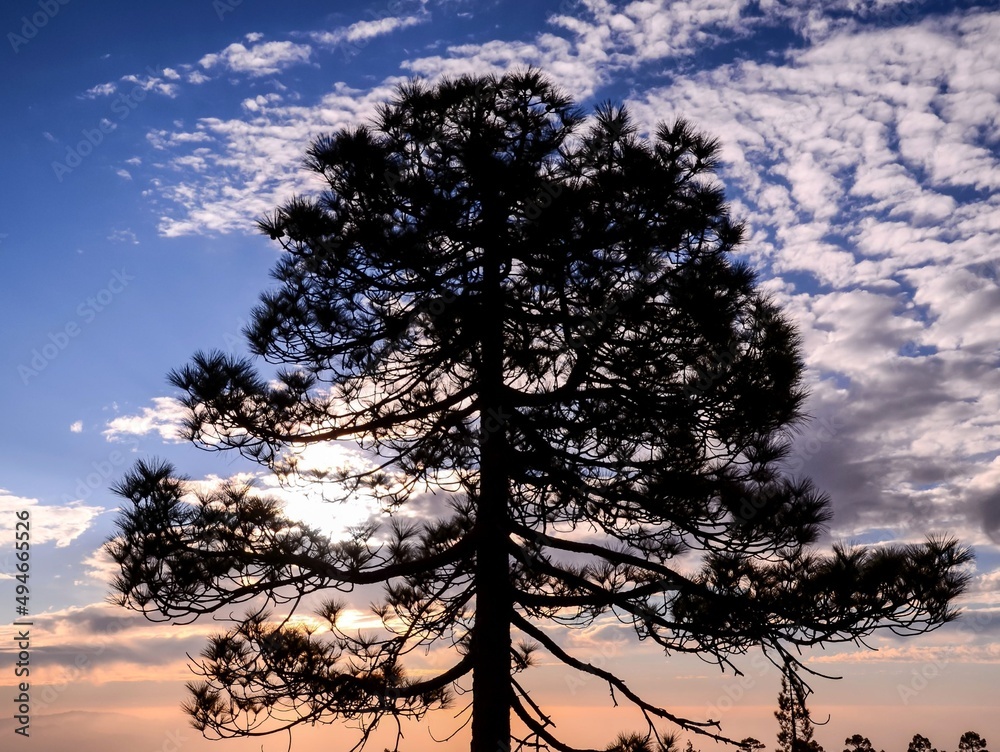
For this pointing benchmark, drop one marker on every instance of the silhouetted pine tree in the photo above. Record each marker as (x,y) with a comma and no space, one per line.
(920,744)
(858,743)
(542,316)
(795,726)
(972,742)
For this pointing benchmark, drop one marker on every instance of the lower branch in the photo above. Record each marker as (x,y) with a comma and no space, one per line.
(698,727)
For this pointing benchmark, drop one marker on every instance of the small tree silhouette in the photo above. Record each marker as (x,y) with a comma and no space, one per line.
(542,318)
(858,743)
(795,726)
(643,743)
(920,744)
(972,742)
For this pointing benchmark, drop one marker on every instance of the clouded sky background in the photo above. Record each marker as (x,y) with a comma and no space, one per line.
(860,143)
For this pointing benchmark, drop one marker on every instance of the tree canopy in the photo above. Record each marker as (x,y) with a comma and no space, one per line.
(859,743)
(795,725)
(972,742)
(537,313)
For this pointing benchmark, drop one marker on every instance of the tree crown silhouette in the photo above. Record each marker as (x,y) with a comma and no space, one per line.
(539,315)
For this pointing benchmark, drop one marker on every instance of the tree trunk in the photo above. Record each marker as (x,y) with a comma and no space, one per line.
(491,635)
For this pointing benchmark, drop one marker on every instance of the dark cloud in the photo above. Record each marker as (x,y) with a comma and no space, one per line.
(989,508)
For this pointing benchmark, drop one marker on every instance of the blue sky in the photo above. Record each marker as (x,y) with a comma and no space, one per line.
(860,143)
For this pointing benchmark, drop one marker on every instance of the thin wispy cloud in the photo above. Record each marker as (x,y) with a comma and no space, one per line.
(363,31)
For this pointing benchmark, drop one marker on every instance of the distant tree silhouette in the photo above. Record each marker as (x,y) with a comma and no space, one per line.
(795,726)
(749,744)
(643,743)
(858,743)
(920,744)
(972,742)
(541,317)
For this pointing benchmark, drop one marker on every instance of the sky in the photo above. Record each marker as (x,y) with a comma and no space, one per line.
(141,141)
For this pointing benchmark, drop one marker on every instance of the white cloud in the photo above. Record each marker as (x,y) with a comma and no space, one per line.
(309,499)
(101,90)
(60,524)
(123,174)
(152,82)
(579,65)
(76,426)
(165,417)
(649,30)
(865,163)
(260,59)
(852,160)
(358,34)
(261,101)
(254,164)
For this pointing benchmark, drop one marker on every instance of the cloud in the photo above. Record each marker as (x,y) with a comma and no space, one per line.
(652,30)
(355,36)
(869,184)
(76,426)
(250,166)
(165,417)
(987,653)
(49,523)
(101,643)
(864,160)
(262,59)
(601,38)
(124,235)
(101,90)
(260,102)
(153,82)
